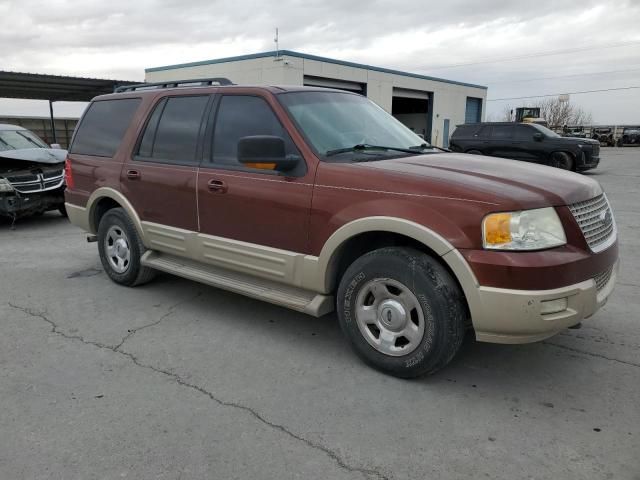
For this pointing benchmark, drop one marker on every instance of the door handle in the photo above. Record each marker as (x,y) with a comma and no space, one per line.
(133,174)
(217,186)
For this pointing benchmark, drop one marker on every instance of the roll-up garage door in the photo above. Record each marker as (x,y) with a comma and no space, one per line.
(406,93)
(310,81)
(474,110)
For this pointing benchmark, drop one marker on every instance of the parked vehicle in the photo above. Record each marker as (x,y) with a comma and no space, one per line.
(630,136)
(31,174)
(530,115)
(574,131)
(527,142)
(604,135)
(317,199)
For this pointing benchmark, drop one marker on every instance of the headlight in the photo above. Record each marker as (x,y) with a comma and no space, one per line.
(5,186)
(527,230)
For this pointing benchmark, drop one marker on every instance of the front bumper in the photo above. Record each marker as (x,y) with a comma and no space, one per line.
(515,316)
(20,205)
(588,161)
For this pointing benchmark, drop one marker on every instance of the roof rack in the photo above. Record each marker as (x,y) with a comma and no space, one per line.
(200,82)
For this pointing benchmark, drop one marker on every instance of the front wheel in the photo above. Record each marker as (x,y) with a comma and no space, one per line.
(562,161)
(402,311)
(120,249)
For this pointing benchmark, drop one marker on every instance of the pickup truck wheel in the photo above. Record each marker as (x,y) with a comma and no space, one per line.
(561,160)
(402,311)
(474,152)
(120,249)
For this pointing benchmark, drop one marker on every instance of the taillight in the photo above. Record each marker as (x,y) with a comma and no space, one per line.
(68,174)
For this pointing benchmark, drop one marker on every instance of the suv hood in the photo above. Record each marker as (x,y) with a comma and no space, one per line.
(510,184)
(573,140)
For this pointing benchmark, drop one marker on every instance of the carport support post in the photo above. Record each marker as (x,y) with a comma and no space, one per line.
(53,125)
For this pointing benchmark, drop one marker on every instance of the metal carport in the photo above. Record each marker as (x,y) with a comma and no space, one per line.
(55,88)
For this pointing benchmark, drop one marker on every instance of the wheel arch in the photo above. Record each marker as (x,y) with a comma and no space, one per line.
(365,234)
(105,198)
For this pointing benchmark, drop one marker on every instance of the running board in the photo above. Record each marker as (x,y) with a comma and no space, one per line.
(294,298)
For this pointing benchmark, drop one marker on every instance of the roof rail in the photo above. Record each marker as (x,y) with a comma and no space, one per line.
(199,82)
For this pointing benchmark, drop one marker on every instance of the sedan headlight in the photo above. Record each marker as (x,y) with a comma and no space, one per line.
(5,186)
(526,230)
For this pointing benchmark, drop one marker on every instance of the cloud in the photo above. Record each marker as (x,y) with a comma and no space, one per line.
(118,39)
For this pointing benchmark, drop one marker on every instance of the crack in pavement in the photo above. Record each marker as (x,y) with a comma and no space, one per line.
(169,312)
(598,355)
(598,339)
(366,473)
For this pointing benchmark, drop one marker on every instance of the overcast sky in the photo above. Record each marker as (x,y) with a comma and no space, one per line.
(119,38)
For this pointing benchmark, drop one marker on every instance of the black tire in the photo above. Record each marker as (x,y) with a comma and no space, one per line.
(135,273)
(444,309)
(63,211)
(474,152)
(561,160)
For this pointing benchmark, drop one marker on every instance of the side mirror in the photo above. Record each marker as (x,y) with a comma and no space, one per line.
(265,152)
(538,136)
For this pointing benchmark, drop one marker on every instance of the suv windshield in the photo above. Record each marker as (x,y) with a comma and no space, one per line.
(346,124)
(19,139)
(545,130)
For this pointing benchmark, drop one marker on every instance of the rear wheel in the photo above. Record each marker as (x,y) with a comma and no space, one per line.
(474,152)
(561,160)
(402,311)
(120,249)
(63,211)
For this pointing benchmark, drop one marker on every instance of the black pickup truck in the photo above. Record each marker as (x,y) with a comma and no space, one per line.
(527,142)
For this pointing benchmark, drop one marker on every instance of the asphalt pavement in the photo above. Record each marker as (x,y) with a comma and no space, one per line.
(177,380)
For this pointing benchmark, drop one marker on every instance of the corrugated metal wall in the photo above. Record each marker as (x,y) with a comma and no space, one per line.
(41,126)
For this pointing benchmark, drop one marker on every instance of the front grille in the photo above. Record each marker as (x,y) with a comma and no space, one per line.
(38,182)
(603,278)
(596,222)
(596,150)
(22,178)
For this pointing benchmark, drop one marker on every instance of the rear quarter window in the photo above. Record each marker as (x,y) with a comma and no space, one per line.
(465,131)
(103,126)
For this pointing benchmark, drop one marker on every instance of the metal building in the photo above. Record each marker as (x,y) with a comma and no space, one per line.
(429,106)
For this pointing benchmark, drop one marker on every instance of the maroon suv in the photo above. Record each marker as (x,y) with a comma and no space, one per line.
(317,199)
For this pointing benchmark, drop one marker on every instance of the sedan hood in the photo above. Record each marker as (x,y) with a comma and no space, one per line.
(47,156)
(505,183)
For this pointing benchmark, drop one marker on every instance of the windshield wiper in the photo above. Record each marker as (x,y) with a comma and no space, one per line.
(426,145)
(29,139)
(364,146)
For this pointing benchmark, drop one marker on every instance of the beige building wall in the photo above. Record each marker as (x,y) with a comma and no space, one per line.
(449,99)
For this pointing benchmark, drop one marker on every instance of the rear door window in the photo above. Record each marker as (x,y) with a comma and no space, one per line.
(103,126)
(173,130)
(465,131)
(523,133)
(501,132)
